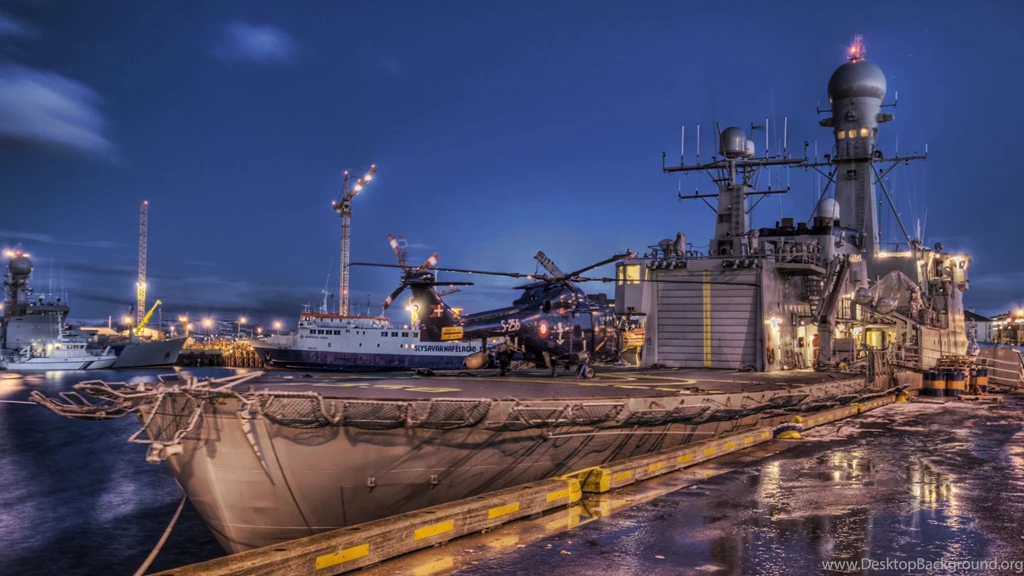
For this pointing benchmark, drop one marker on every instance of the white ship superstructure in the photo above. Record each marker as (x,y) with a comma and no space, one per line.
(358,344)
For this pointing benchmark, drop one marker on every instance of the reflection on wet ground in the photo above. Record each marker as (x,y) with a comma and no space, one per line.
(910,482)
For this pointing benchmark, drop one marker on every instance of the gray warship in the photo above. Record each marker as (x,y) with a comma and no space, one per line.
(26,320)
(767,324)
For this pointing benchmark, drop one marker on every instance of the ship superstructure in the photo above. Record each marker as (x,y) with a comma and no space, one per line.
(27,319)
(801,294)
(334,342)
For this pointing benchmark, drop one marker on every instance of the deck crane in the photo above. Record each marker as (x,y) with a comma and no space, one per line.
(343,206)
(145,319)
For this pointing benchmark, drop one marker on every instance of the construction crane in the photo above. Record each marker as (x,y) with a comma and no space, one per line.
(145,319)
(343,206)
(140,286)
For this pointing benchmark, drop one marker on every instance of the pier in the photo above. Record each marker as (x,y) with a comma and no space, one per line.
(226,352)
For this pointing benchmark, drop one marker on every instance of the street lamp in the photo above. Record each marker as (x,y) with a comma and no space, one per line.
(259,331)
(208,324)
(277,326)
(242,320)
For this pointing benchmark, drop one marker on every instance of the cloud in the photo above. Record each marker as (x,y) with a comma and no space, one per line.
(13,28)
(244,42)
(32,237)
(40,109)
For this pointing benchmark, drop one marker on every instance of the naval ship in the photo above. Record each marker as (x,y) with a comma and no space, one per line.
(27,321)
(766,324)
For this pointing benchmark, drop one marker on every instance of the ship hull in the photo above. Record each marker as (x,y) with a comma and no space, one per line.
(147,353)
(320,360)
(265,477)
(46,364)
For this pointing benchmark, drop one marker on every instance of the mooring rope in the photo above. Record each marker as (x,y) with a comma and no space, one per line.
(16,402)
(152,555)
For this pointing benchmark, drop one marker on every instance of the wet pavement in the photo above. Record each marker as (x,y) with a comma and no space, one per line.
(908,488)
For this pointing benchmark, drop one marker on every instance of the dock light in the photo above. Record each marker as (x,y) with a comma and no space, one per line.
(25,254)
(259,331)
(188,327)
(182,319)
(8,254)
(126,320)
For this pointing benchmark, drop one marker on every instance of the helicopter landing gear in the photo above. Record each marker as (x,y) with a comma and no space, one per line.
(584,371)
(504,364)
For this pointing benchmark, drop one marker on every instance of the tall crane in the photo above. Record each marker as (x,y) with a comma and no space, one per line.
(140,286)
(343,206)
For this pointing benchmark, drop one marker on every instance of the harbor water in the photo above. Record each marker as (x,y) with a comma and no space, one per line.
(76,498)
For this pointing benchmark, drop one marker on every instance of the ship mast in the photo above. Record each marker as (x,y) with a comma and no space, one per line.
(343,206)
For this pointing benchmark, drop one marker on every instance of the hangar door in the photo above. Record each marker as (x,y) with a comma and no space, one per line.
(707,319)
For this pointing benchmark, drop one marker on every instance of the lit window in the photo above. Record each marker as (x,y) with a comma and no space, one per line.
(851,134)
(864,132)
(841,134)
(632,274)
(405,334)
(618,274)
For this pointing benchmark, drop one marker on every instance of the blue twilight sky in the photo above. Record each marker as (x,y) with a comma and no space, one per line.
(499,129)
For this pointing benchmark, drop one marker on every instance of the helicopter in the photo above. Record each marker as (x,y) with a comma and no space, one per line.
(552,323)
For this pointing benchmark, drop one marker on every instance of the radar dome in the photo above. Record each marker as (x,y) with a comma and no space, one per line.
(827,208)
(856,78)
(734,142)
(20,266)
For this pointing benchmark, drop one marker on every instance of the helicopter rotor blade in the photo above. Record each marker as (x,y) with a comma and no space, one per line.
(549,265)
(391,298)
(398,245)
(614,258)
(429,263)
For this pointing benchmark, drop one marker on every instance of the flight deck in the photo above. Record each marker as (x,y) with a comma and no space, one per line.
(607,383)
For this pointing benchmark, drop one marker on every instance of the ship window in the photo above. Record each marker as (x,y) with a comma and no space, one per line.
(384,334)
(874,132)
(347,331)
(851,134)
(361,344)
(337,332)
(841,134)
(328,344)
(394,334)
(864,132)
(405,334)
(415,334)
(633,274)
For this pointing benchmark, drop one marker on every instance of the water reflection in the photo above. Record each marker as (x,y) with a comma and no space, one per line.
(79,487)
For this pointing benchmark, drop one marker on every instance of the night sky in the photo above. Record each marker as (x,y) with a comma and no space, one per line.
(498,129)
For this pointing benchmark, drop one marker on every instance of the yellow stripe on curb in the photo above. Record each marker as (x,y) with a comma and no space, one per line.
(500,511)
(435,529)
(328,560)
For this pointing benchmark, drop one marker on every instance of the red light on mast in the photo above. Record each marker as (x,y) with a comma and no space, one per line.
(857,49)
